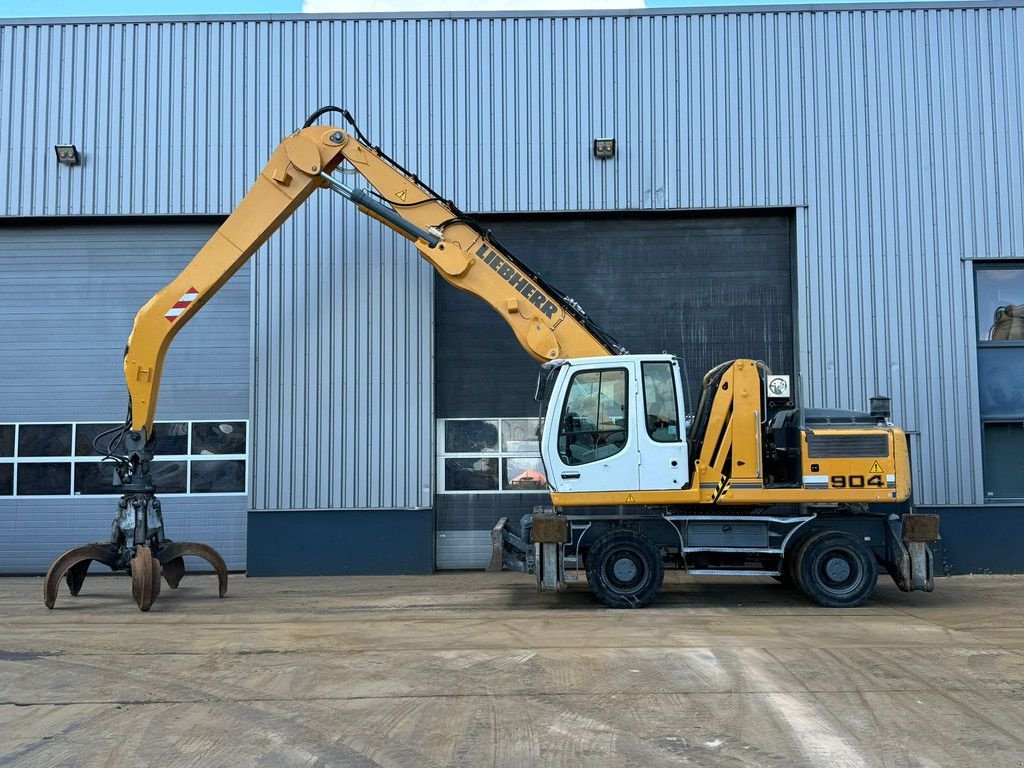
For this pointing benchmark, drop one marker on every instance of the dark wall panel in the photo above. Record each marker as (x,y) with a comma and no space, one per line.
(342,542)
(979,539)
(707,287)
(480,511)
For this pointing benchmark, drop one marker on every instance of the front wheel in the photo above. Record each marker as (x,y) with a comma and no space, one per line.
(624,569)
(836,570)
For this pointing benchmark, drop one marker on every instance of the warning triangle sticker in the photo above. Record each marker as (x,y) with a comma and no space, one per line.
(875,468)
(629,498)
(402,195)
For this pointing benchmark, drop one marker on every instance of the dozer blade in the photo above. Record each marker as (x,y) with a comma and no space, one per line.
(145,577)
(172,556)
(74,564)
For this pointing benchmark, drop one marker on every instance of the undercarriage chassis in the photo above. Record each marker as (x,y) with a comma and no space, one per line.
(832,554)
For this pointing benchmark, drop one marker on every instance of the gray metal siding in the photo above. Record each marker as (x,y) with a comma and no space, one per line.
(898,131)
(342,366)
(33,532)
(70,294)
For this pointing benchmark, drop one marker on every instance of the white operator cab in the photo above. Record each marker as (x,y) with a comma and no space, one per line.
(613,424)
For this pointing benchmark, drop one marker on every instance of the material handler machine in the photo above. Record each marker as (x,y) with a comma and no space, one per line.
(750,484)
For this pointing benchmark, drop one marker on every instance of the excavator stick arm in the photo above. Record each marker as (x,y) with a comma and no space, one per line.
(291,176)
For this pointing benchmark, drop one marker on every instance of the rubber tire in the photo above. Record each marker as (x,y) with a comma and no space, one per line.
(643,555)
(814,581)
(788,577)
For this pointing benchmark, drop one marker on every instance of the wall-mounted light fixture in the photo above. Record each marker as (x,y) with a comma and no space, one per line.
(604,149)
(67,154)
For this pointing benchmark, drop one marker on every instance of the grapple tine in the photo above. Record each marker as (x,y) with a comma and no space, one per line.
(176,550)
(145,577)
(75,564)
(75,576)
(174,570)
(137,545)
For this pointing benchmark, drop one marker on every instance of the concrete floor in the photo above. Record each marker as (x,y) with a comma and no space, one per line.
(478,670)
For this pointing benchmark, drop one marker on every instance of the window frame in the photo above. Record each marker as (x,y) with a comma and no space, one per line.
(980,266)
(74,460)
(675,401)
(500,454)
(627,392)
(986,499)
(993,265)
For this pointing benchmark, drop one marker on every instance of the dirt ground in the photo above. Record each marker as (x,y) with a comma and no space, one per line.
(480,670)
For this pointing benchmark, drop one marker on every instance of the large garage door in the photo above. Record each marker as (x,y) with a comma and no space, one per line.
(69,296)
(707,287)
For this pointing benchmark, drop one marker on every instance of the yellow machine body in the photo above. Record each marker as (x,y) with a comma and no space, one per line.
(837,465)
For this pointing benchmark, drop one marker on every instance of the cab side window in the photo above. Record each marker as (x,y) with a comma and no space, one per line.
(661,409)
(595,417)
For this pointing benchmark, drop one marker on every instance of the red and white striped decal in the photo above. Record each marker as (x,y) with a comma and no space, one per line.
(182,304)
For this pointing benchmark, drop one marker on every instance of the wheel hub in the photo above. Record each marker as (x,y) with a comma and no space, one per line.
(625,569)
(837,569)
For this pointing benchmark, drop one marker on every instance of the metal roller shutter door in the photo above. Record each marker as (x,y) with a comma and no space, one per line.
(706,286)
(70,293)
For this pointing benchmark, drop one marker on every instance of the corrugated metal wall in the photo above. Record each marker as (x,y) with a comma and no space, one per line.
(65,313)
(342,366)
(896,133)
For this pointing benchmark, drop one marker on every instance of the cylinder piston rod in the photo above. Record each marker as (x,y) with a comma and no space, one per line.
(378,210)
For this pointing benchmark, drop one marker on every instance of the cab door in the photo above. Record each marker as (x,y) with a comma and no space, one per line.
(590,441)
(663,450)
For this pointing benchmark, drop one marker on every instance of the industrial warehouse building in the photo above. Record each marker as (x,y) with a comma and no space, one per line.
(837,191)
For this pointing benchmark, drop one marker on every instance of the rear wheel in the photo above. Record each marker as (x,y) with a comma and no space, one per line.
(624,569)
(787,572)
(836,570)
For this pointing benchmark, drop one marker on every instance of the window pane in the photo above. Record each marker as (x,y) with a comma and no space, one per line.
(524,474)
(172,439)
(169,476)
(86,433)
(594,418)
(660,402)
(6,439)
(472,436)
(520,435)
(44,440)
(48,479)
(6,479)
(1004,445)
(94,477)
(218,476)
(1000,304)
(471,474)
(211,438)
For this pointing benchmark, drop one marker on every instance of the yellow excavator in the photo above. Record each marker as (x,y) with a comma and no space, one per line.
(749,484)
